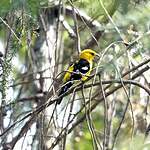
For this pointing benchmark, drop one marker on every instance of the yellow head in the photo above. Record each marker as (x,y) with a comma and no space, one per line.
(88,54)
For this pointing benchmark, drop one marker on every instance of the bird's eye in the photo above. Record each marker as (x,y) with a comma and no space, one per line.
(92,54)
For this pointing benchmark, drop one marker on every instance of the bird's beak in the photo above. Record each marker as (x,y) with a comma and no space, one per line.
(98,55)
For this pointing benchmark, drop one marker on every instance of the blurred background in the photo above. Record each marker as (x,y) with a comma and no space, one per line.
(39,39)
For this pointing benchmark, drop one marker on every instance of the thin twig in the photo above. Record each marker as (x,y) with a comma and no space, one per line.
(10,29)
(84,116)
(39,109)
(76,28)
(105,142)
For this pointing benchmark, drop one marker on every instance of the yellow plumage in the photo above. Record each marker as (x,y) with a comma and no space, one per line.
(80,70)
(68,74)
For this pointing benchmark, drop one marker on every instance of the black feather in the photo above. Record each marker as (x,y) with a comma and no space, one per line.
(80,67)
(63,90)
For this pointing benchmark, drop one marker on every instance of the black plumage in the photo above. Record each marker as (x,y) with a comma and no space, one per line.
(80,68)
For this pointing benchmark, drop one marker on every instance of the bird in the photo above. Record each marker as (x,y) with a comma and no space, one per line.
(79,70)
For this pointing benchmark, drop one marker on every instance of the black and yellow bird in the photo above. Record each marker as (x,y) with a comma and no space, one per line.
(80,70)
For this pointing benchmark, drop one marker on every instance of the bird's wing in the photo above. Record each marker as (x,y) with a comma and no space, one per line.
(84,68)
(79,70)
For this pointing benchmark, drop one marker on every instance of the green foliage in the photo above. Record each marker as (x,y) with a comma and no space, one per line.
(5,6)
(30,6)
(34,6)
(135,143)
(124,6)
(95,9)
(85,142)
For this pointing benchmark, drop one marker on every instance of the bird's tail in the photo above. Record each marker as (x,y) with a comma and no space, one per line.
(63,90)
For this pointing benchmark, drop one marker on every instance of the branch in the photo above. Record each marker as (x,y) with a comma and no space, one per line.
(34,113)
(91,41)
(23,131)
(89,23)
(81,119)
(81,16)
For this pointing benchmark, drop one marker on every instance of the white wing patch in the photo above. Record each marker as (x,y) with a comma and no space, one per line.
(85,68)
